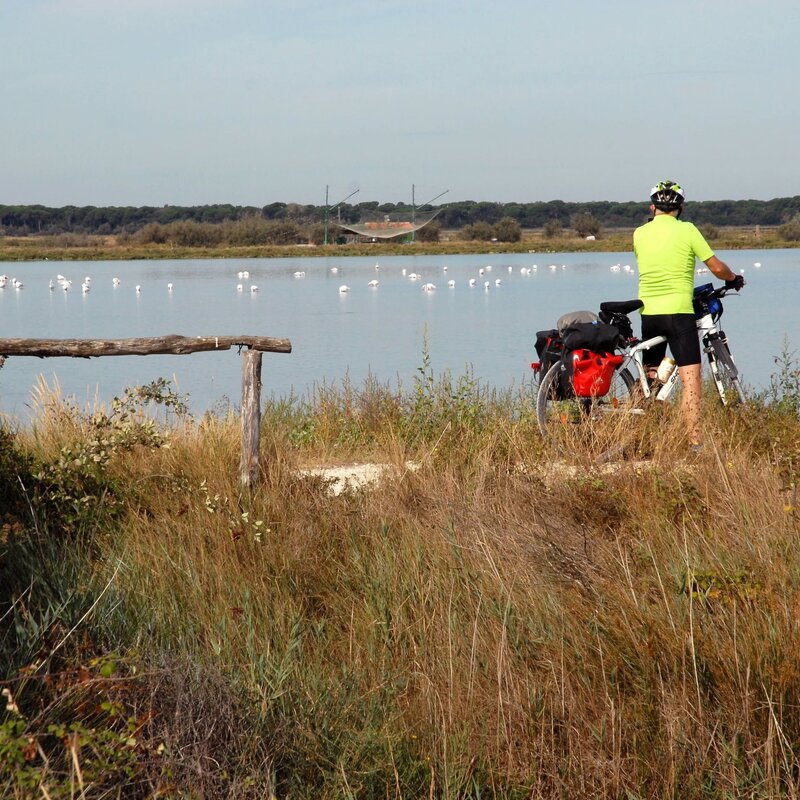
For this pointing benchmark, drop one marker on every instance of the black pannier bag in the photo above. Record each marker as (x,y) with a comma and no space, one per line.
(550,348)
(595,336)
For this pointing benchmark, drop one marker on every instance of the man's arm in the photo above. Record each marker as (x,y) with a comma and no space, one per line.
(720,269)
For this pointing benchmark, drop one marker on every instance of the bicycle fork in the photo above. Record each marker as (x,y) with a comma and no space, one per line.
(715,346)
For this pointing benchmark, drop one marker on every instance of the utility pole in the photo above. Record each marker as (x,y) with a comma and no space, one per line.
(328,209)
(413,215)
(326,214)
(414,209)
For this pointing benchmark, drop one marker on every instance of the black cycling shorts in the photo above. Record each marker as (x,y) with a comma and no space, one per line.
(682,338)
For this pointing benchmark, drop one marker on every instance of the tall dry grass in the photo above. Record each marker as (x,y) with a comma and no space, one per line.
(495,623)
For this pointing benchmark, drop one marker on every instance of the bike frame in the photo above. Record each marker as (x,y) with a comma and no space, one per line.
(707,326)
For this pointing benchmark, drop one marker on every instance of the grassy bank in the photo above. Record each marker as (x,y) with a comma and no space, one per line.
(489,624)
(85,248)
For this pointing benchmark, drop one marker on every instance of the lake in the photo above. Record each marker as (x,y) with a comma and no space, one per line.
(380,331)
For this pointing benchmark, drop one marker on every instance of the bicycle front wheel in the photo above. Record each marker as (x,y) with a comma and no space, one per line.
(596,426)
(725,373)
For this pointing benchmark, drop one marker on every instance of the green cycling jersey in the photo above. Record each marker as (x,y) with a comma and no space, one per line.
(665,250)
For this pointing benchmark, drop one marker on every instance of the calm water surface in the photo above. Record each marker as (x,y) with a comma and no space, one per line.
(380,331)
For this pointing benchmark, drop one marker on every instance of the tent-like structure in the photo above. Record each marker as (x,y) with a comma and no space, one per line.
(379,225)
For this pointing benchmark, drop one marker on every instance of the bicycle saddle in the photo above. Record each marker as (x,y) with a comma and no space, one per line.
(620,306)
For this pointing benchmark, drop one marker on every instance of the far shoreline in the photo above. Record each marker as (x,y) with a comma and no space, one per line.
(105,248)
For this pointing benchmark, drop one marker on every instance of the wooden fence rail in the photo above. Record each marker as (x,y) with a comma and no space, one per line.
(253,346)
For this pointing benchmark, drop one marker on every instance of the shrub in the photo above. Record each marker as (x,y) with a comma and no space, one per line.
(247,231)
(709,231)
(585,224)
(790,231)
(429,233)
(552,229)
(478,231)
(188,233)
(317,234)
(507,230)
(152,233)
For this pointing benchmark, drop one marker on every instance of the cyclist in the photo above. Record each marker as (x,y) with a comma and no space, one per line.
(665,250)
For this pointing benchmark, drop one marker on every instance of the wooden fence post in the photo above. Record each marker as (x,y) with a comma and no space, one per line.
(176,345)
(251,417)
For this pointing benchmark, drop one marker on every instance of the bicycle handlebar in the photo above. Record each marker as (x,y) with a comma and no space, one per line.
(721,291)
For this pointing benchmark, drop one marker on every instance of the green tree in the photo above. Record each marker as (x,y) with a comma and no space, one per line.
(274,211)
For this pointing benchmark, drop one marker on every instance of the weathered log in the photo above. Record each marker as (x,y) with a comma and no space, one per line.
(251,418)
(153,345)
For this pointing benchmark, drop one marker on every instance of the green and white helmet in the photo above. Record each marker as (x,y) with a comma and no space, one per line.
(667,196)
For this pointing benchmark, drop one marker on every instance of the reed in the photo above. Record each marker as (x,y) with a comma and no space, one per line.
(492,623)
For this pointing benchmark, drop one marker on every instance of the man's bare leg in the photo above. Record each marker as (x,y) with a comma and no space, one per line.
(690,401)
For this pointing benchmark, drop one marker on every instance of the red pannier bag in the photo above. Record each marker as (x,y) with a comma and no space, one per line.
(592,372)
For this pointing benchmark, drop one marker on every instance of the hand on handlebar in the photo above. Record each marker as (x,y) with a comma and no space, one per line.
(736,283)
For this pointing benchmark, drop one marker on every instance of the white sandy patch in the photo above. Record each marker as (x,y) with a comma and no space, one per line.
(349,477)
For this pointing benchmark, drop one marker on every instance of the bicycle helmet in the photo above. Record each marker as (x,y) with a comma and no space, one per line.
(667,196)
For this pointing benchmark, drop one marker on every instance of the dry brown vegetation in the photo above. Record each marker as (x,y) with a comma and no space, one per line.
(492,624)
(76,247)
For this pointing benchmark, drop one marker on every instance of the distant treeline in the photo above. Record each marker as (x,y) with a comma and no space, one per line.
(107,220)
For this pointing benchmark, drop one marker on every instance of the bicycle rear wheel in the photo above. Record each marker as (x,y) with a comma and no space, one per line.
(725,373)
(597,426)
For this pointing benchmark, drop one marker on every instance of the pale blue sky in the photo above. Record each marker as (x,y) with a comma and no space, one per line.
(134,102)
